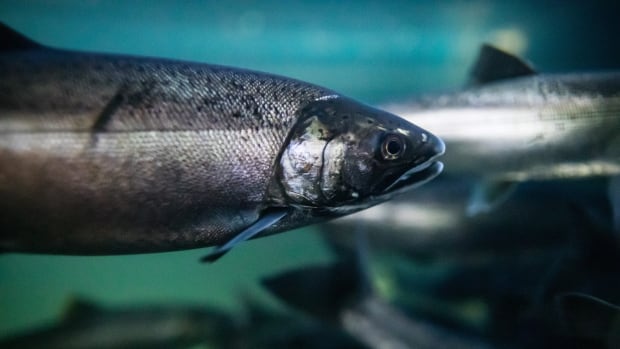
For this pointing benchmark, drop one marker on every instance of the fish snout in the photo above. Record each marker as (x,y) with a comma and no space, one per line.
(427,148)
(420,166)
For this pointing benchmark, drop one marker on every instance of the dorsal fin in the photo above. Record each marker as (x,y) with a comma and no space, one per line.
(11,40)
(494,64)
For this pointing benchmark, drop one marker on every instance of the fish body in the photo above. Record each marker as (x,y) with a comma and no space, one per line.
(88,325)
(512,124)
(105,154)
(341,294)
(431,221)
(531,127)
(477,271)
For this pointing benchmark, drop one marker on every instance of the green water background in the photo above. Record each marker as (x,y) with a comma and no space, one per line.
(372,51)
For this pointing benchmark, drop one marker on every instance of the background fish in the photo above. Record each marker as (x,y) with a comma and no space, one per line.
(431,221)
(89,325)
(511,124)
(476,272)
(104,154)
(342,293)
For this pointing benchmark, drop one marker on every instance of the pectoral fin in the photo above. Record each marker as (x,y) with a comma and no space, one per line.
(265,221)
(488,195)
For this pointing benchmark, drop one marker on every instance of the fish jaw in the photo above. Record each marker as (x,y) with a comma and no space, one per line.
(423,172)
(415,177)
(408,182)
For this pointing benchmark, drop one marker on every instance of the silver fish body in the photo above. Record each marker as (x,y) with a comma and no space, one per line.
(169,129)
(108,154)
(512,125)
(532,127)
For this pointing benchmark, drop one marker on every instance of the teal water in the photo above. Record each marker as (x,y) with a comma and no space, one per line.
(373,51)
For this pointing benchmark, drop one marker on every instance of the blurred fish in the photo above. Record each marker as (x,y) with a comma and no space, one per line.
(431,221)
(512,124)
(476,272)
(341,294)
(108,154)
(87,325)
(267,328)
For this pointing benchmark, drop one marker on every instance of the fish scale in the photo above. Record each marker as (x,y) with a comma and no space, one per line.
(171,130)
(107,154)
(161,101)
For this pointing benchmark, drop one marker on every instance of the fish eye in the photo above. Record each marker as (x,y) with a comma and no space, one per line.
(393,147)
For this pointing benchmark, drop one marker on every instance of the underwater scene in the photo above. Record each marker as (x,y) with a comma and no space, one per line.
(325,174)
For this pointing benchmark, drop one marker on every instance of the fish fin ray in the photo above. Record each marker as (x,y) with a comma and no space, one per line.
(494,64)
(487,195)
(13,40)
(265,221)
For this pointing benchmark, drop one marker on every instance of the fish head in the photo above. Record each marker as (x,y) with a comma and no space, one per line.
(346,156)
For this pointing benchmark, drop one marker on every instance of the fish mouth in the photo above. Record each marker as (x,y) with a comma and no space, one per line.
(415,177)
(419,174)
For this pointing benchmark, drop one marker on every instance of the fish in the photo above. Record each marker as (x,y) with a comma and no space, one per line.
(113,154)
(87,324)
(265,327)
(341,293)
(431,259)
(431,222)
(476,272)
(511,124)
